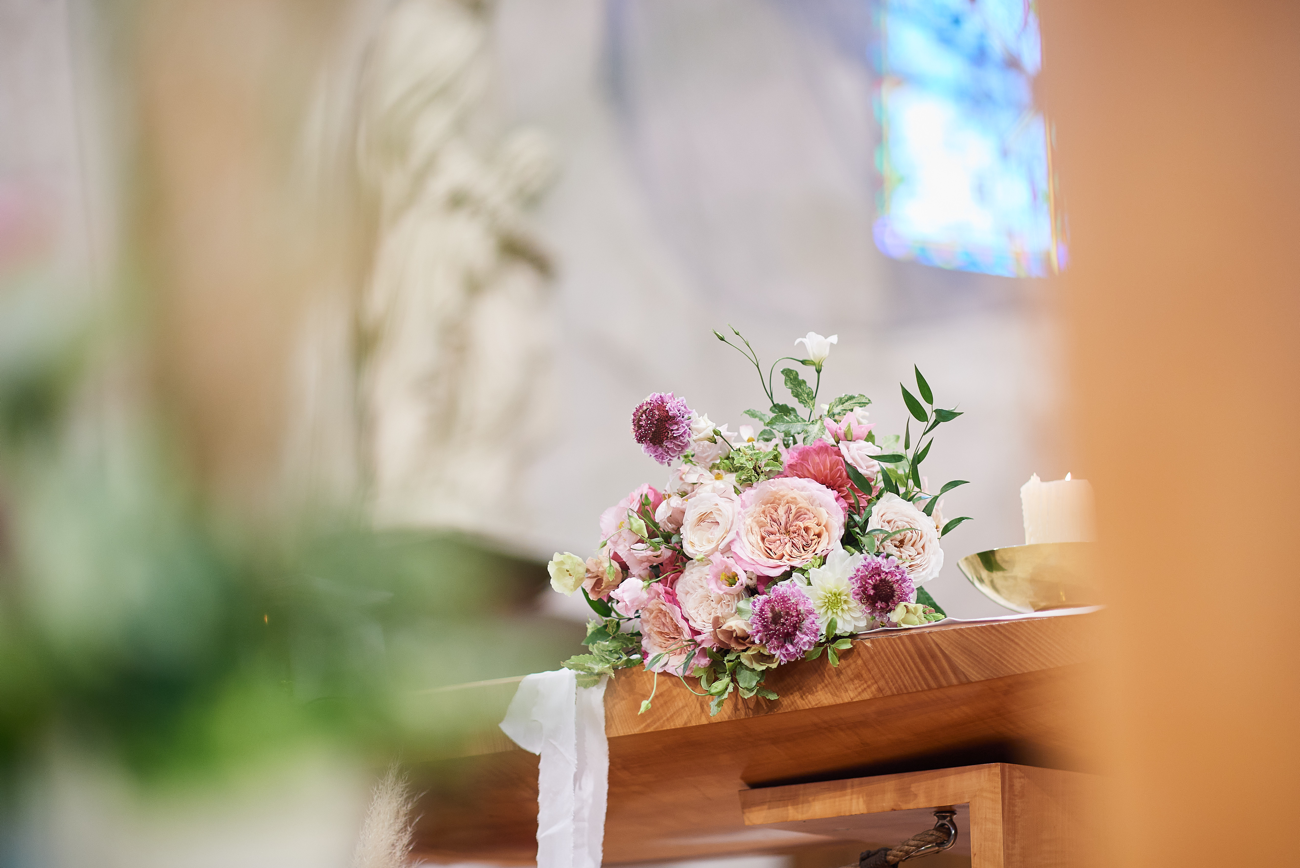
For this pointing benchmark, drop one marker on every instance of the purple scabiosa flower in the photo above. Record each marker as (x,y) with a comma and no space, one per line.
(880,584)
(784,622)
(662,425)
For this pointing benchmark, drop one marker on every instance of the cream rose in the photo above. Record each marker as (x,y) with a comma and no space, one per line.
(784,523)
(710,520)
(916,549)
(700,603)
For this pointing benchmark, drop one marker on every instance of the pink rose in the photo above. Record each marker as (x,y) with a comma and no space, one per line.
(670,513)
(629,597)
(699,604)
(664,631)
(853,425)
(727,577)
(628,549)
(710,520)
(822,462)
(784,523)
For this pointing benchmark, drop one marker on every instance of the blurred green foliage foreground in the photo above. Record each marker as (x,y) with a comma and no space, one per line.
(141,622)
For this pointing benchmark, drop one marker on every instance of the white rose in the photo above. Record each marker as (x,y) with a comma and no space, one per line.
(706,453)
(818,347)
(698,601)
(857,454)
(916,549)
(710,520)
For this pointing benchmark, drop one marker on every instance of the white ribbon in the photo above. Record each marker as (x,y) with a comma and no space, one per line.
(550,716)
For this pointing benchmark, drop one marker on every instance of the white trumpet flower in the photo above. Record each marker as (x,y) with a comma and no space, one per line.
(818,347)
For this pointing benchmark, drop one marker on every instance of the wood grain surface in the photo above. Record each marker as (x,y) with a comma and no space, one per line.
(934,697)
(1015,817)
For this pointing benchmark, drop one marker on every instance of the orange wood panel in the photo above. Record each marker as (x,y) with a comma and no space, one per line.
(945,695)
(1179,132)
(1018,816)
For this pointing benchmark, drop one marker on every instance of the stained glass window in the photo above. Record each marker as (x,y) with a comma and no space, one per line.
(965,156)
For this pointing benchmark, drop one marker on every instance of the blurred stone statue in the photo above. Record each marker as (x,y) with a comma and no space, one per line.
(454,320)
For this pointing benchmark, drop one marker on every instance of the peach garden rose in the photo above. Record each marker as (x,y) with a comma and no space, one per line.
(784,523)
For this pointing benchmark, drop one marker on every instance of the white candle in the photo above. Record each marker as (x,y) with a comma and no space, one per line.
(1060,511)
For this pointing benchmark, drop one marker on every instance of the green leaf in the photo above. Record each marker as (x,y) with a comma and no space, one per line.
(844,403)
(946,415)
(923,597)
(923,387)
(887,480)
(747,678)
(832,656)
(785,413)
(925,450)
(759,415)
(813,653)
(890,458)
(600,607)
(597,631)
(715,705)
(916,474)
(907,435)
(952,525)
(844,644)
(766,693)
(949,486)
(930,504)
(831,627)
(914,406)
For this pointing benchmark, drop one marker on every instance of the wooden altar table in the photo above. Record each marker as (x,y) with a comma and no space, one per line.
(978,711)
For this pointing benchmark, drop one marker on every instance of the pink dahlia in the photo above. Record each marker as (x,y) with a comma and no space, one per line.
(880,584)
(784,622)
(822,462)
(662,425)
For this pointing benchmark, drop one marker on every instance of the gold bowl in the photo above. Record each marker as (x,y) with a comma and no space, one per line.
(1032,578)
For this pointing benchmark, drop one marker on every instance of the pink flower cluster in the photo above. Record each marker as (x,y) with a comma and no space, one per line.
(763,545)
(688,556)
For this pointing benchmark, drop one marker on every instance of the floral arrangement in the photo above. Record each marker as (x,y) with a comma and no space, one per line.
(770,544)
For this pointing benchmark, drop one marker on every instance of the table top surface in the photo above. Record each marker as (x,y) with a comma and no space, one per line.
(938,696)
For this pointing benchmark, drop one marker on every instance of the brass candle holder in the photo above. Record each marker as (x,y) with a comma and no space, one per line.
(1031,578)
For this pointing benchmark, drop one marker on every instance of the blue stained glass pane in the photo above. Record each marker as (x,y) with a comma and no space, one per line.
(965,156)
